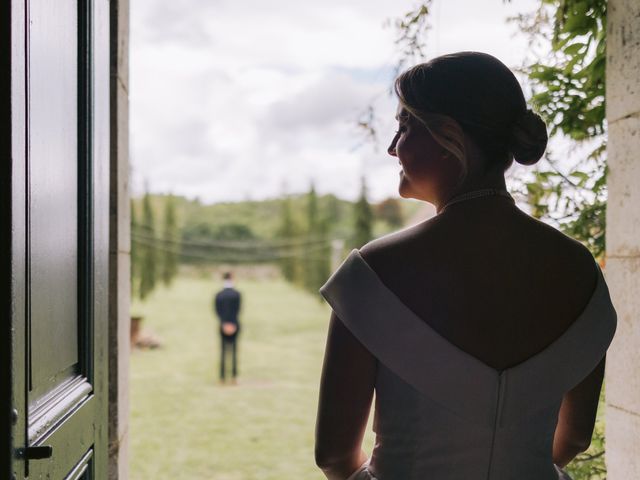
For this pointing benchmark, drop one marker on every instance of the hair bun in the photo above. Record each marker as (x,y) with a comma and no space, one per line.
(528,138)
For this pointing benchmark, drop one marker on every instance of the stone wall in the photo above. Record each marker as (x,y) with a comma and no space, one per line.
(119,245)
(623,238)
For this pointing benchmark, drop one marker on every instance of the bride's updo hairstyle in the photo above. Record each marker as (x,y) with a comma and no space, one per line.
(474,94)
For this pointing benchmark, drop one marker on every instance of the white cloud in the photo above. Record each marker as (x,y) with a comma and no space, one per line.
(231,99)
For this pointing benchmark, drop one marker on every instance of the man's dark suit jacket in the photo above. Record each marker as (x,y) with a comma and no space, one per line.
(227,305)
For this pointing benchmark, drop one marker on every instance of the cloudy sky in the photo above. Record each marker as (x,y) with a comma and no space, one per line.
(234,100)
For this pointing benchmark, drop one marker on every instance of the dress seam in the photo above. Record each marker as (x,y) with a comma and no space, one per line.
(496,421)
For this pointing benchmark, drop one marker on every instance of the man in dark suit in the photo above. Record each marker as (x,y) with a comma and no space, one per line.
(227,307)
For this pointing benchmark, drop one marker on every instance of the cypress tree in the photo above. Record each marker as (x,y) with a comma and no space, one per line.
(312,210)
(313,223)
(323,264)
(317,262)
(287,231)
(148,253)
(170,241)
(134,265)
(332,209)
(363,217)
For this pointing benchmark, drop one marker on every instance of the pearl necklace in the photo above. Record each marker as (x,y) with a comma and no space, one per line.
(485,192)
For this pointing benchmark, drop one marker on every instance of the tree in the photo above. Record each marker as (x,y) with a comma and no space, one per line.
(569,92)
(134,255)
(390,211)
(148,250)
(363,218)
(288,230)
(170,242)
(233,231)
(313,219)
(317,260)
(313,222)
(323,263)
(332,209)
(226,243)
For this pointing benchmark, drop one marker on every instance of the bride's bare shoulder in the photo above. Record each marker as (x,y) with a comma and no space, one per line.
(398,244)
(501,239)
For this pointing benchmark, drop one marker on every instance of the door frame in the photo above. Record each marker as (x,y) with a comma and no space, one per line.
(13,224)
(6,239)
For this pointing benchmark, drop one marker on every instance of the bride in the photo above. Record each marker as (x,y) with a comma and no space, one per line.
(482,331)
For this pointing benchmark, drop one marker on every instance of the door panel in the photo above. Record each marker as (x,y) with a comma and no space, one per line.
(53,193)
(70,441)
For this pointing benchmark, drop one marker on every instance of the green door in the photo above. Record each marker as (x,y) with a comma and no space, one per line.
(59,221)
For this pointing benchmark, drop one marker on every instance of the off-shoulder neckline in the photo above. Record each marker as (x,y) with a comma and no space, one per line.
(585,313)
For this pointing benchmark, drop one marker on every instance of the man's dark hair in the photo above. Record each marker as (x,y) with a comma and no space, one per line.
(227,276)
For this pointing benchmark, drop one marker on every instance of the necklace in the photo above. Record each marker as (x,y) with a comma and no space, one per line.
(485,192)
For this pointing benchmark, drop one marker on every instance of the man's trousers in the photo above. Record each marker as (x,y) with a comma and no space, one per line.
(228,348)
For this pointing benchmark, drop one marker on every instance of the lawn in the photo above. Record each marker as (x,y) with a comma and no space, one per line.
(184,425)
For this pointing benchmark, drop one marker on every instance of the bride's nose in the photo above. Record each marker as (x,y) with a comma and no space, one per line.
(392,148)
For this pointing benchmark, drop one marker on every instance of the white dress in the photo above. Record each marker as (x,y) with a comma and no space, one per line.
(442,414)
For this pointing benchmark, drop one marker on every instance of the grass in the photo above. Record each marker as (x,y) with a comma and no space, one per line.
(184,425)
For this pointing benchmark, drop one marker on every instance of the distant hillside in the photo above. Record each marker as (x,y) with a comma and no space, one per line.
(263,218)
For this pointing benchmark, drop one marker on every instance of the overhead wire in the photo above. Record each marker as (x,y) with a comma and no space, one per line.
(143,231)
(245,257)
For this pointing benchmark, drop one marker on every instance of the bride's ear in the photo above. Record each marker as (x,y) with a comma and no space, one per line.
(449,134)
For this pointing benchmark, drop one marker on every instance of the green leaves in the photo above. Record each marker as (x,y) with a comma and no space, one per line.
(590,464)
(574,48)
(574,19)
(410,34)
(568,90)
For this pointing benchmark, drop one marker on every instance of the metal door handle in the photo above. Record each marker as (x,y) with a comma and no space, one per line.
(38,453)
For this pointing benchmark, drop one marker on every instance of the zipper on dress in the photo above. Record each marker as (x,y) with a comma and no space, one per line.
(496,419)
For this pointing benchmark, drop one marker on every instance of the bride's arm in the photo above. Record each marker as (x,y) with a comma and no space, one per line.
(577,418)
(346,391)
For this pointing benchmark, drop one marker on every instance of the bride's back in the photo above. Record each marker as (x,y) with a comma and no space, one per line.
(487,277)
(505,289)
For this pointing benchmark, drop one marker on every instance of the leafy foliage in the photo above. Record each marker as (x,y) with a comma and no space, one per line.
(206,243)
(590,464)
(569,93)
(410,39)
(568,84)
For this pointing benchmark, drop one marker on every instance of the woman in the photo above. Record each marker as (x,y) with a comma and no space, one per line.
(482,331)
